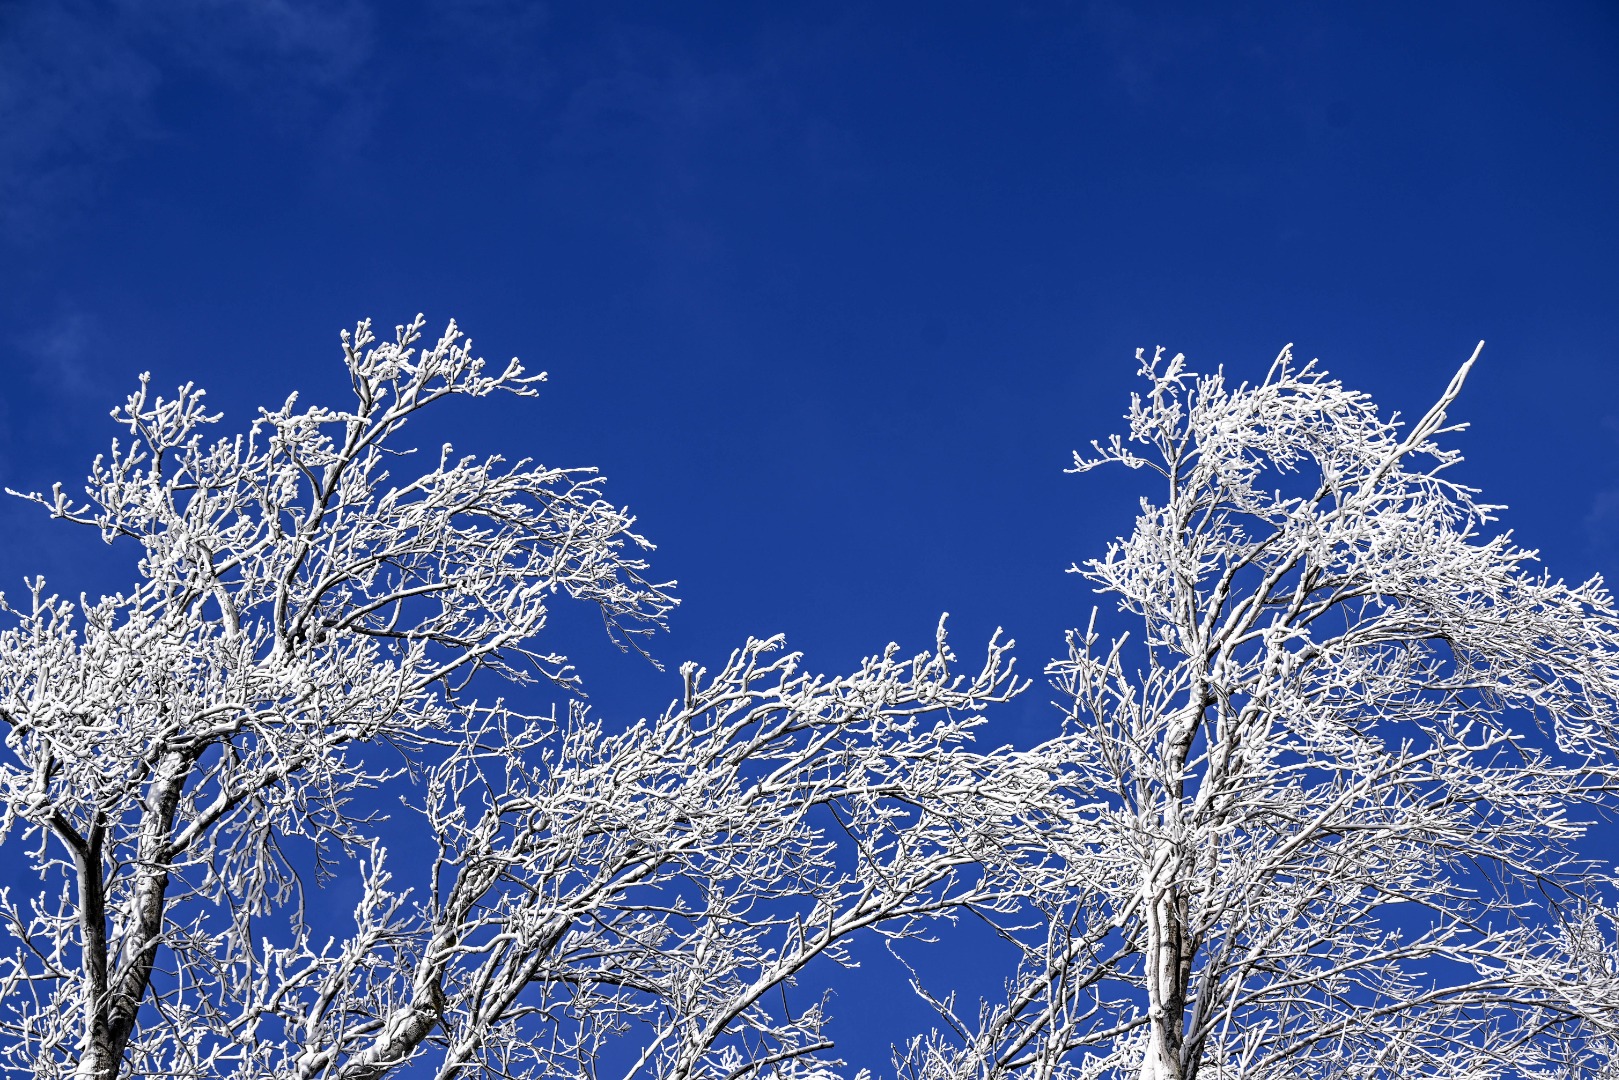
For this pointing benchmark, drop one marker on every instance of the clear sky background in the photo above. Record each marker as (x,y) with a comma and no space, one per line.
(829,291)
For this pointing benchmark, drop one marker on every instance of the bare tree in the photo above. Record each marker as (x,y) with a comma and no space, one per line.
(1334,788)
(302,647)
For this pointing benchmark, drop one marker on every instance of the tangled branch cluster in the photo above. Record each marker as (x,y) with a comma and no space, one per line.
(1323,815)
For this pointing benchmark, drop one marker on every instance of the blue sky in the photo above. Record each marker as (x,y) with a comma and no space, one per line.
(829,291)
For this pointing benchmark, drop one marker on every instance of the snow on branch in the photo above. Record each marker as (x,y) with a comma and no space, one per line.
(1341,777)
(1316,803)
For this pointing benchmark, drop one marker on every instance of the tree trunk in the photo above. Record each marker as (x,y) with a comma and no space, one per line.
(1166,970)
(97,1058)
(97,1062)
(116,991)
(1167,955)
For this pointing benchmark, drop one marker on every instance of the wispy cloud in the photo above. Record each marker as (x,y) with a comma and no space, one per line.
(53,391)
(663,106)
(79,82)
(685,125)
(1602,523)
(1602,515)
(74,95)
(58,350)
(506,37)
(643,93)
(284,55)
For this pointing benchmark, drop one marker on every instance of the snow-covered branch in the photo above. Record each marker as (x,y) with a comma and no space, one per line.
(1318,809)
(1341,774)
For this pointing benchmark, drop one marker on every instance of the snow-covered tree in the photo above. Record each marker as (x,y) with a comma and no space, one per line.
(1323,815)
(1335,785)
(301,650)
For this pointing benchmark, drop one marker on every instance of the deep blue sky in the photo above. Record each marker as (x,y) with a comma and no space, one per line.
(829,291)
